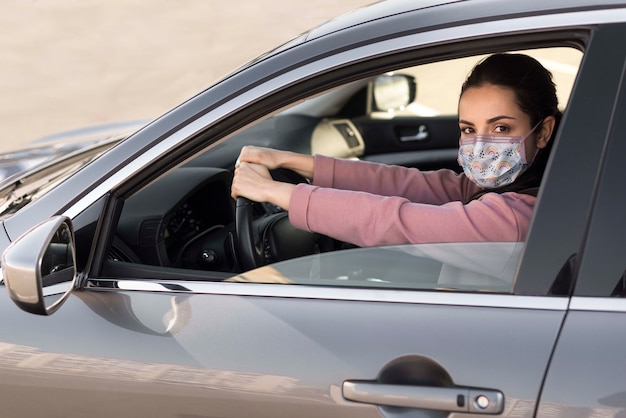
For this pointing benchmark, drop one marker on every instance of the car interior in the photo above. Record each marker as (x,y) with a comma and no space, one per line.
(185,224)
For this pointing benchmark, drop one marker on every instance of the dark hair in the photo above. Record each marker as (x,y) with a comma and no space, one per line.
(535,94)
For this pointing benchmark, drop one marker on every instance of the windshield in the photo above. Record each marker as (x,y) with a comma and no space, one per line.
(17,192)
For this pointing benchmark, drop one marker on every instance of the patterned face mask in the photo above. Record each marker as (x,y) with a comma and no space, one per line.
(493,161)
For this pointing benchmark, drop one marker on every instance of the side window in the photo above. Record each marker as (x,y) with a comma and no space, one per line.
(455,266)
(187,220)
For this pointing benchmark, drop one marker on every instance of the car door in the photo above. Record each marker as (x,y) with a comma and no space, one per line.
(586,375)
(232,349)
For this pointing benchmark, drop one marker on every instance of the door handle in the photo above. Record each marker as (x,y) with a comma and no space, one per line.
(452,399)
(420,135)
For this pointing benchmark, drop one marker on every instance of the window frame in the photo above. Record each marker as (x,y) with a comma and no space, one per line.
(568,37)
(602,265)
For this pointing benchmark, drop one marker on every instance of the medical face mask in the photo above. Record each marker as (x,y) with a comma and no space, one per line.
(493,161)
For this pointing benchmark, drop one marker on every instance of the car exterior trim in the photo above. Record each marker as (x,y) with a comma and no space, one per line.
(594,304)
(322,64)
(494,10)
(437,297)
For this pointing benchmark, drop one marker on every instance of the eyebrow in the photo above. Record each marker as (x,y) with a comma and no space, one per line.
(491,120)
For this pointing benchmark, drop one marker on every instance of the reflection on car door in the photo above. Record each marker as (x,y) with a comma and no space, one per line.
(233,350)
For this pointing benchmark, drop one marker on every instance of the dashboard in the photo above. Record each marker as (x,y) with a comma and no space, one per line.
(186,218)
(191,207)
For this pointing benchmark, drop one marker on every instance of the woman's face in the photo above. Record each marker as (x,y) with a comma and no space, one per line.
(492,110)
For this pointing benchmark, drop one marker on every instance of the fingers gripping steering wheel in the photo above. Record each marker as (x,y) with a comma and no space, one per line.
(282,240)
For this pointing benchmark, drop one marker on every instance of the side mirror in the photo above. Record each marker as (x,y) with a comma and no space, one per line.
(39,268)
(393,92)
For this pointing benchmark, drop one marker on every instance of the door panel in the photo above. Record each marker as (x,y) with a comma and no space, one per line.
(428,143)
(587,374)
(107,353)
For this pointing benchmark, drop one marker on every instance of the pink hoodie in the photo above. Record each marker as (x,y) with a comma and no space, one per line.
(371,204)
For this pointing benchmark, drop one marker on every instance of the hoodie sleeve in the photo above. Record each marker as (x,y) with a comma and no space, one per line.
(434,187)
(419,209)
(365,219)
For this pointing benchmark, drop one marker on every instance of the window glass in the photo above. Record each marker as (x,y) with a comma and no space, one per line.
(456,266)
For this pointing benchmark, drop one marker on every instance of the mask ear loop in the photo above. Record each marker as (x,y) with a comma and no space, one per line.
(523,143)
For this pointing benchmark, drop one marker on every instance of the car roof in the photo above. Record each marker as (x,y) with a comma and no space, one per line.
(425,14)
(373,22)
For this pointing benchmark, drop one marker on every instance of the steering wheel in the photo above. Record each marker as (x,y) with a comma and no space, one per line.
(250,256)
(278,239)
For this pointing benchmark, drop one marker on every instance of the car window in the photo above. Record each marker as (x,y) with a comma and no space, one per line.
(186,219)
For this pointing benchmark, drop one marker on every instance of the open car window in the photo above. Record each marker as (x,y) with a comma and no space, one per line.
(185,220)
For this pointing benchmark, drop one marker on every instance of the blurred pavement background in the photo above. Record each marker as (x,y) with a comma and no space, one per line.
(67,64)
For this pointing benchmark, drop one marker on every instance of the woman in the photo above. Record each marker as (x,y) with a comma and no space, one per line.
(508,112)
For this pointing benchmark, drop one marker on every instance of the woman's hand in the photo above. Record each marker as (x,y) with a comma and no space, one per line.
(273,159)
(268,157)
(255,182)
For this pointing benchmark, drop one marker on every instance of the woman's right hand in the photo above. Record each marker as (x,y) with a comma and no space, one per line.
(273,159)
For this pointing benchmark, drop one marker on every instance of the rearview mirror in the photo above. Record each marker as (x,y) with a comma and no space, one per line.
(39,268)
(393,92)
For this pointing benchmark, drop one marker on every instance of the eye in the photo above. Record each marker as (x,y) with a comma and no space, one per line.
(501,129)
(467,130)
